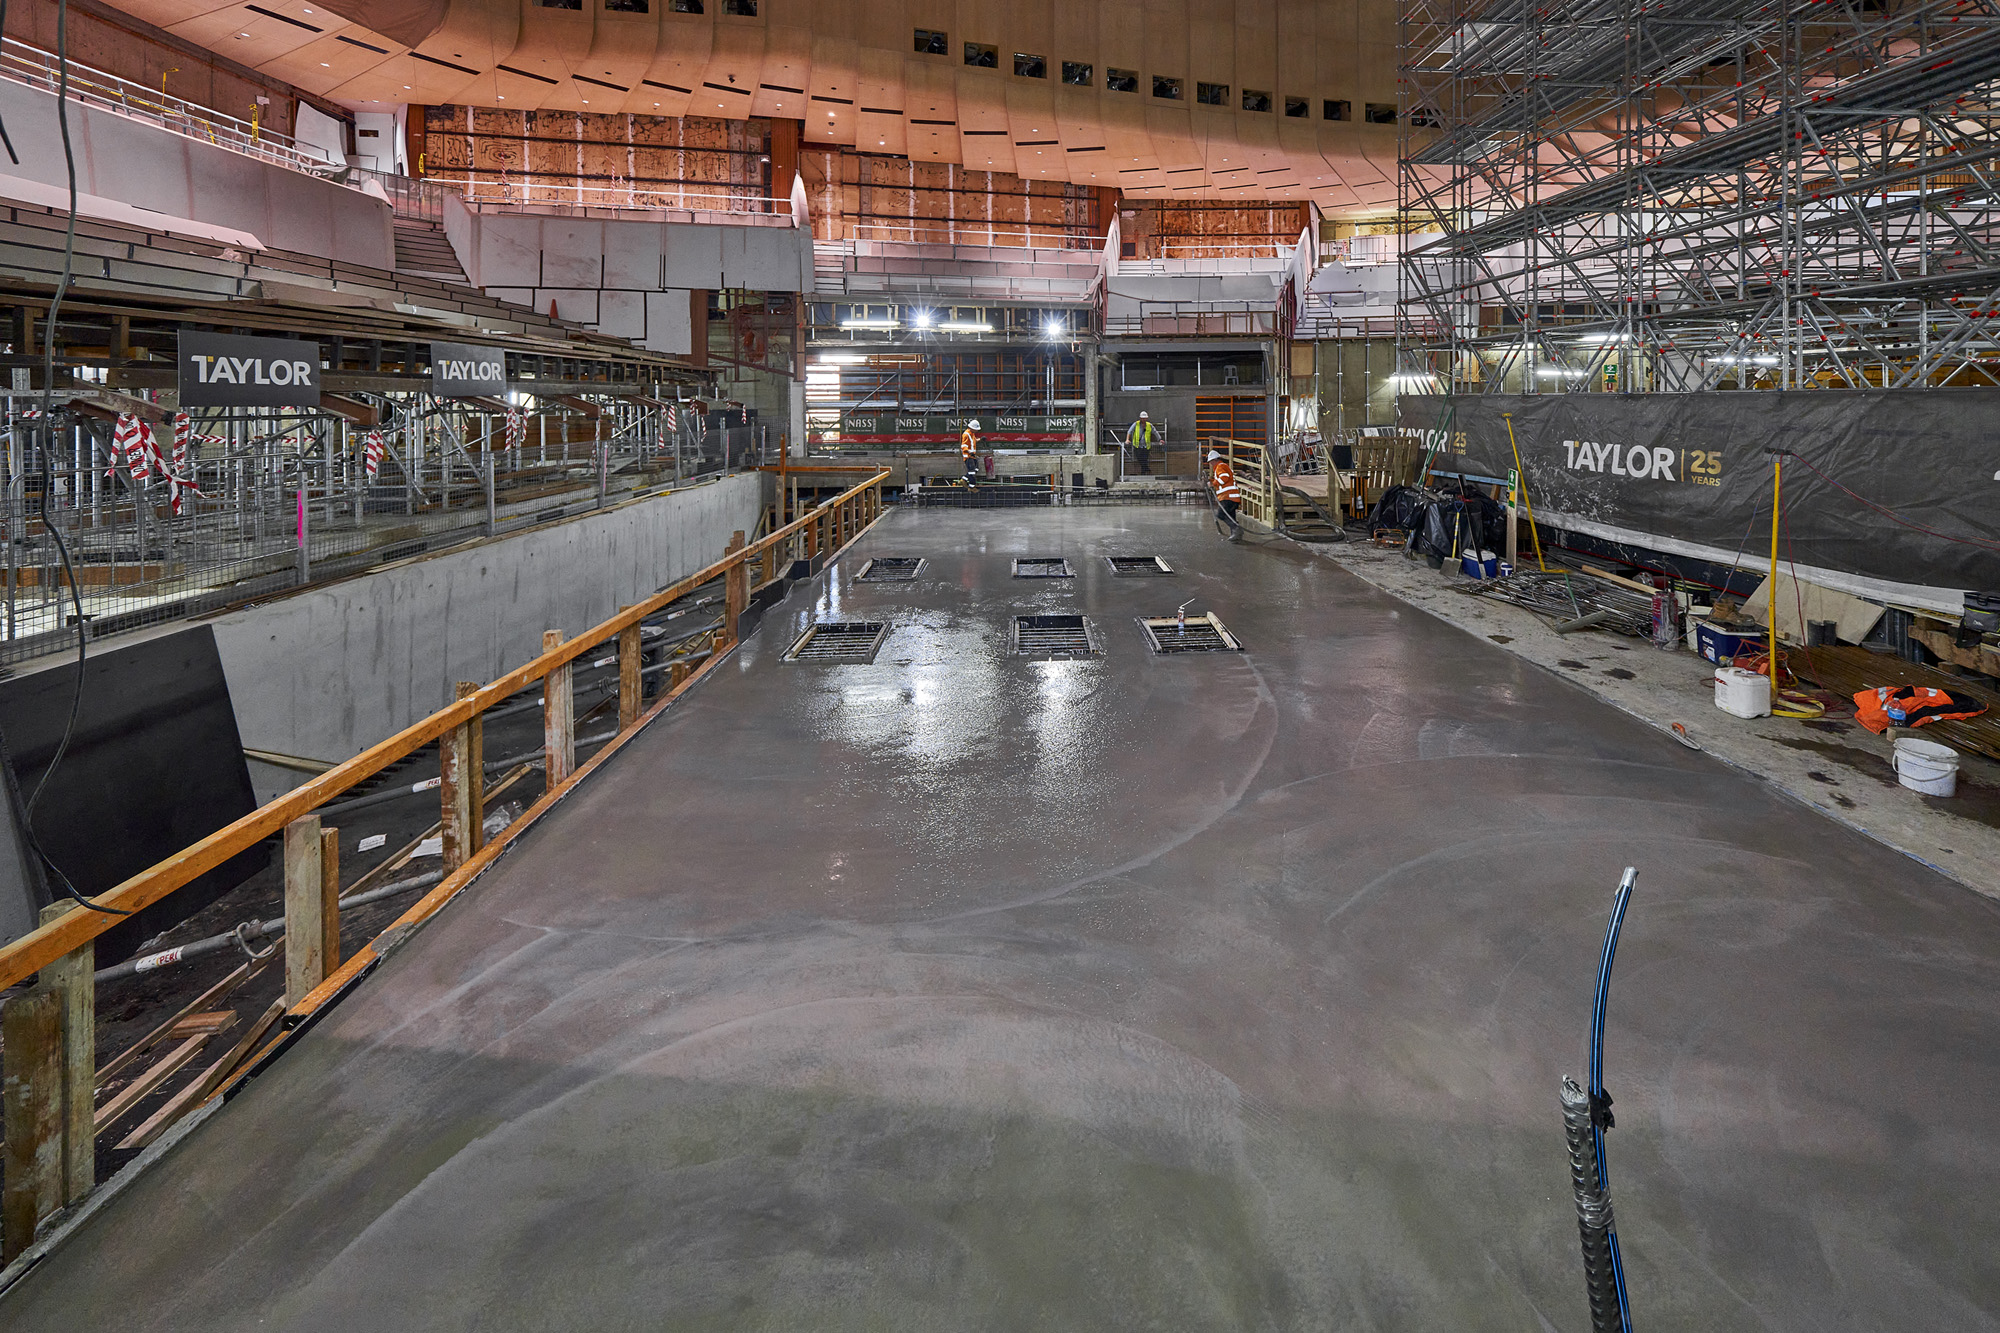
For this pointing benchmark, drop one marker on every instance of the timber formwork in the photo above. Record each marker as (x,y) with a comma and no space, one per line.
(1694,195)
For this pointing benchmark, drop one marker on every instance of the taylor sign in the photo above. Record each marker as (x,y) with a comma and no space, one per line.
(224,370)
(459,370)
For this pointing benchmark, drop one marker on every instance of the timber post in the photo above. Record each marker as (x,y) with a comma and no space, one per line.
(558,718)
(629,694)
(737,583)
(305,889)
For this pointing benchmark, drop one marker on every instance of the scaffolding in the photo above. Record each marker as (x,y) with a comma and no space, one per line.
(1688,195)
(266,500)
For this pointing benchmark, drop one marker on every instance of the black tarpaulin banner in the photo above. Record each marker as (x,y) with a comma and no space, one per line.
(1697,468)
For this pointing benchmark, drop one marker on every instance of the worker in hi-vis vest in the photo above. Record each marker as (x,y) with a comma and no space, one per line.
(1144,435)
(1223,478)
(968,451)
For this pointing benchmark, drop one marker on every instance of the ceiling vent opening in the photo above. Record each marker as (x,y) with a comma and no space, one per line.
(1053,637)
(839,641)
(1138,566)
(1197,634)
(889,569)
(1042,567)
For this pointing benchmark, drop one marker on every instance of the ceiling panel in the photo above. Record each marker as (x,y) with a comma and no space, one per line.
(858,60)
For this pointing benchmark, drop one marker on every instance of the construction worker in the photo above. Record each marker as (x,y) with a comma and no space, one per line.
(1222,479)
(1143,436)
(968,452)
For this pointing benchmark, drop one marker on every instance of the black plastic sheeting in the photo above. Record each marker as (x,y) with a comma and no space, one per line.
(1442,523)
(1697,467)
(155,765)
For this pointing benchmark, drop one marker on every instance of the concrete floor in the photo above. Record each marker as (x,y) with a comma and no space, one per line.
(1224,992)
(1832,764)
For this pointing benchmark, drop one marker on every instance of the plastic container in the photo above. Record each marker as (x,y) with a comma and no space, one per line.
(1475,568)
(1926,766)
(1721,646)
(1742,693)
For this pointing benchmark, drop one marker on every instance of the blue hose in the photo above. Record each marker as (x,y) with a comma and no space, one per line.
(1597,1097)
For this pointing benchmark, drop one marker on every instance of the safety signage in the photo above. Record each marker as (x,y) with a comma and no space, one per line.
(459,370)
(223,370)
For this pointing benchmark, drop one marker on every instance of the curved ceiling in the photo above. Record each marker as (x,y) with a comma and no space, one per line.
(851,71)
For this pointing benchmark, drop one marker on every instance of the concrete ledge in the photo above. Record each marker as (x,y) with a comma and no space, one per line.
(329,671)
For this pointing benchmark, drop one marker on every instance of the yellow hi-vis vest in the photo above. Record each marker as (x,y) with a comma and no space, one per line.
(1144,433)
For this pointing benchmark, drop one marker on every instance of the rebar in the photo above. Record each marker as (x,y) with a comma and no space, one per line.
(1594,1221)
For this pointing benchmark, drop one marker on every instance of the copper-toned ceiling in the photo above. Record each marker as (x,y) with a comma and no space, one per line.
(849,69)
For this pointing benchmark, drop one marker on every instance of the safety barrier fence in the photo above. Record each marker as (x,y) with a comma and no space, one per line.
(49,1028)
(279,500)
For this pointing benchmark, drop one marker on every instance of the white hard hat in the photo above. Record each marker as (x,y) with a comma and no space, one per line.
(972,424)
(1144,417)
(1213,455)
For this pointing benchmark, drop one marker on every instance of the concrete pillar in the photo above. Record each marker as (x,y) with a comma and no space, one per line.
(1091,371)
(797,429)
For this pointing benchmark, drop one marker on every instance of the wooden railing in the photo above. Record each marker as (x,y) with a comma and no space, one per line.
(49,1038)
(1255,477)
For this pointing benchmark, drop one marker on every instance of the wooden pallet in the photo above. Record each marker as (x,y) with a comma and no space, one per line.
(1848,671)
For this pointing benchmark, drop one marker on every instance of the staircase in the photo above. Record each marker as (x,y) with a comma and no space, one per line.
(1305,519)
(421,247)
(831,260)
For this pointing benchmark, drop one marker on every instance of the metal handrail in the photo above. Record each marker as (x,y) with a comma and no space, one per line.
(504,195)
(37,68)
(1002,237)
(828,527)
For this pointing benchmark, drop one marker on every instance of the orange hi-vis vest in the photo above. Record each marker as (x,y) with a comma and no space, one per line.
(1911,706)
(1225,481)
(967,445)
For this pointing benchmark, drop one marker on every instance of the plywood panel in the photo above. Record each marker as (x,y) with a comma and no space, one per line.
(581,157)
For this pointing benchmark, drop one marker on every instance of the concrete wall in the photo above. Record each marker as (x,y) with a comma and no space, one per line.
(629,279)
(330,671)
(138,164)
(1172,409)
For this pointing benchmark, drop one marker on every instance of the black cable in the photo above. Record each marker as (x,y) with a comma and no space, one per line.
(49,335)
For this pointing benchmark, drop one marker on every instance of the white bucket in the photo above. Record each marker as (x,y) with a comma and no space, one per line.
(1926,766)
(1742,693)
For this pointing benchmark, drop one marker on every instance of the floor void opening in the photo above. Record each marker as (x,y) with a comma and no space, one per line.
(1200,634)
(889,569)
(839,641)
(1052,636)
(1043,567)
(1138,566)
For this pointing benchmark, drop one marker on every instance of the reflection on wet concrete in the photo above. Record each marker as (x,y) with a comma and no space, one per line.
(962,990)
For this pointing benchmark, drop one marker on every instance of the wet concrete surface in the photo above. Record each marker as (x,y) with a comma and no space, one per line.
(962,991)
